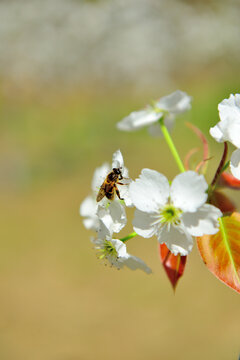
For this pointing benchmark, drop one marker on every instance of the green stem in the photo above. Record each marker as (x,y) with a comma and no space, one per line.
(225,166)
(171,145)
(128,237)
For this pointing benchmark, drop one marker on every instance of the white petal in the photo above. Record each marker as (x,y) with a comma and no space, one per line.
(134,263)
(125,259)
(114,217)
(120,247)
(203,222)
(218,131)
(143,224)
(235,163)
(230,108)
(104,229)
(118,214)
(169,121)
(177,239)
(91,223)
(88,207)
(99,176)
(126,179)
(124,193)
(188,191)
(117,160)
(175,103)
(138,119)
(227,130)
(150,192)
(155,129)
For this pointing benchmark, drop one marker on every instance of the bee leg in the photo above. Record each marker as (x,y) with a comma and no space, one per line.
(118,193)
(120,183)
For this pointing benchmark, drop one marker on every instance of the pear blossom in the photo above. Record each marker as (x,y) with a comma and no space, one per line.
(228,128)
(114,250)
(168,107)
(89,206)
(173,213)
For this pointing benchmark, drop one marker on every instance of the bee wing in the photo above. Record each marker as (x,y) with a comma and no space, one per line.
(101,193)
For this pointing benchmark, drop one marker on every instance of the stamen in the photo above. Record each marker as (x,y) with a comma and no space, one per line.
(107,250)
(170,215)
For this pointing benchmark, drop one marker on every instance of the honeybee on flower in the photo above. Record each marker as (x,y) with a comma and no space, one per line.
(89,206)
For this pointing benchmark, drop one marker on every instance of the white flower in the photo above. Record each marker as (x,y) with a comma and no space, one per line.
(167,107)
(173,213)
(228,128)
(88,210)
(114,250)
(89,206)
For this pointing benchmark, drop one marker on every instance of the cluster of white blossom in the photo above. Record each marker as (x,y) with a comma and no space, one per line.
(109,217)
(174,211)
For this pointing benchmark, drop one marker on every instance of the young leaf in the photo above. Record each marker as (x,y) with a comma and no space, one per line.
(228,180)
(221,252)
(174,265)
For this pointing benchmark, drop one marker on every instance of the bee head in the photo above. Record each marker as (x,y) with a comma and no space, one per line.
(117,171)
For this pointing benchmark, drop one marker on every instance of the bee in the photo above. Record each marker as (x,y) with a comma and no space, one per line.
(109,186)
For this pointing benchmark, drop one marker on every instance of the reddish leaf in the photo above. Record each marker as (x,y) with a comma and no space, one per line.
(228,180)
(221,252)
(222,202)
(174,265)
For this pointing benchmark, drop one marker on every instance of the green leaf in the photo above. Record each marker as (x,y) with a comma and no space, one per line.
(221,252)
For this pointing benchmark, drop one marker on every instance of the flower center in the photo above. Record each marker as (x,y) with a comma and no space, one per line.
(171,215)
(107,250)
(158,109)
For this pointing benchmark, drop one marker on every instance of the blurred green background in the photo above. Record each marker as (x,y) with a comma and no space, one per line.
(57,301)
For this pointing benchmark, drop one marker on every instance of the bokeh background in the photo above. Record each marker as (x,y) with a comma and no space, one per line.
(69,70)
